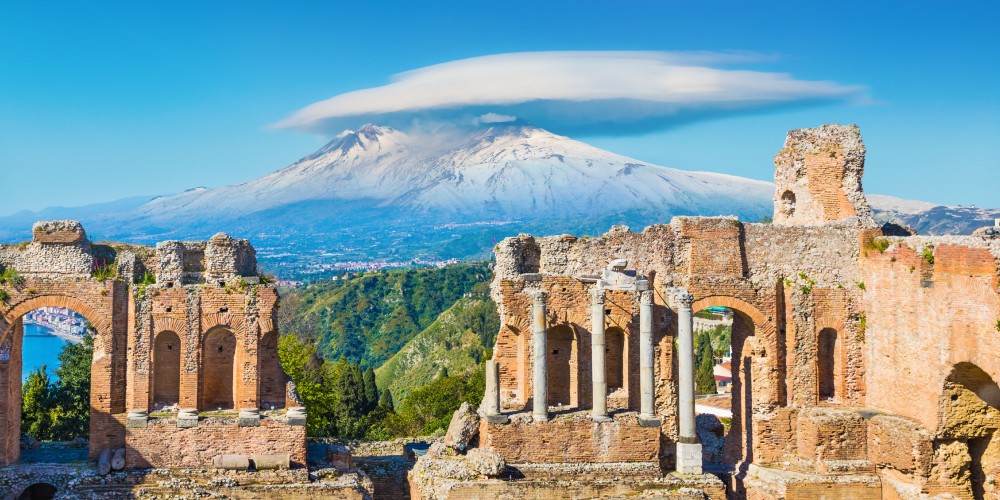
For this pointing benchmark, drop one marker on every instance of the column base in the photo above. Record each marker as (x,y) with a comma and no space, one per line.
(497,419)
(689,458)
(648,421)
(600,418)
(539,418)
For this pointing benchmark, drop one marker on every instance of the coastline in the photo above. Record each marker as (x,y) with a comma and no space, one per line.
(68,337)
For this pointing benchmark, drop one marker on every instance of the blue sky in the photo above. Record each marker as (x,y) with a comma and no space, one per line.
(101,101)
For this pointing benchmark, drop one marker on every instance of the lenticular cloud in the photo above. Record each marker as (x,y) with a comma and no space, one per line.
(572,92)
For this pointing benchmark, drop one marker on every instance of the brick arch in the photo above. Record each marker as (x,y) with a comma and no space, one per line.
(172,324)
(734,303)
(232,322)
(101,322)
(517,323)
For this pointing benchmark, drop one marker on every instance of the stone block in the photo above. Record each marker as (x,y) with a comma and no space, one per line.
(66,232)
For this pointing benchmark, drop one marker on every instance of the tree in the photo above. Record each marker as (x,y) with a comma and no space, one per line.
(71,396)
(371,390)
(36,403)
(704,374)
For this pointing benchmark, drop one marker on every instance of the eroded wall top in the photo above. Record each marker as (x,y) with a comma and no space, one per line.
(817,177)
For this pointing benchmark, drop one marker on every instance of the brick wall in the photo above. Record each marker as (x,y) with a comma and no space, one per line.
(163,444)
(572,438)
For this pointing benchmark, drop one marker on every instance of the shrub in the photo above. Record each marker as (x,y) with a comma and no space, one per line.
(104,270)
(861,284)
(3,295)
(877,244)
(928,254)
(10,276)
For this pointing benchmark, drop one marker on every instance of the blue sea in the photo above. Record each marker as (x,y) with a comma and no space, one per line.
(40,347)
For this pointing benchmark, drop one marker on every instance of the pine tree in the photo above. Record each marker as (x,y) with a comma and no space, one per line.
(71,394)
(385,403)
(371,390)
(704,374)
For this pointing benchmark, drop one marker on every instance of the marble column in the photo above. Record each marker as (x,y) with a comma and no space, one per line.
(539,382)
(688,447)
(491,398)
(647,412)
(598,365)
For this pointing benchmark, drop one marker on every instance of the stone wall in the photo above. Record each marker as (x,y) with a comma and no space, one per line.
(572,439)
(163,444)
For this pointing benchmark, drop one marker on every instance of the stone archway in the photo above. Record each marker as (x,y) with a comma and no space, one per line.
(218,361)
(748,325)
(167,350)
(967,448)
(104,397)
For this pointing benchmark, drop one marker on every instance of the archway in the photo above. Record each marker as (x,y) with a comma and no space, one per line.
(272,379)
(166,369)
(969,428)
(217,370)
(46,361)
(38,491)
(829,365)
(561,357)
(728,324)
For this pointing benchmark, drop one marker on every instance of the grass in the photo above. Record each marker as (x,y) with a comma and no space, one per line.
(10,276)
(104,270)
(862,327)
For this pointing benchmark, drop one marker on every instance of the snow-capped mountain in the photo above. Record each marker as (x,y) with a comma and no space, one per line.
(383,194)
(509,170)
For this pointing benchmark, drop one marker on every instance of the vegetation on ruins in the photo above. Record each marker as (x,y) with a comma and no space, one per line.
(928,254)
(104,270)
(9,277)
(59,410)
(368,318)
(879,245)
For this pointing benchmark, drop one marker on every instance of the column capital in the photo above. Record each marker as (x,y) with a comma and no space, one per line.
(597,294)
(538,296)
(683,297)
(646,298)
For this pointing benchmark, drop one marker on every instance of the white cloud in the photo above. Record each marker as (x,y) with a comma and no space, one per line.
(613,92)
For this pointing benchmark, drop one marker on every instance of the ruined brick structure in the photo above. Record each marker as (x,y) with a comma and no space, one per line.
(864,366)
(184,368)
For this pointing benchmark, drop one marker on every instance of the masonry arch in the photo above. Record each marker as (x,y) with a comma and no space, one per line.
(217,373)
(562,360)
(11,364)
(38,491)
(272,379)
(747,323)
(830,365)
(167,348)
(969,427)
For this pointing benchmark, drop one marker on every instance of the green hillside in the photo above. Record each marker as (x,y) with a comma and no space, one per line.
(368,318)
(457,341)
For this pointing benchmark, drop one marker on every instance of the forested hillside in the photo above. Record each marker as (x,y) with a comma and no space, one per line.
(456,343)
(368,318)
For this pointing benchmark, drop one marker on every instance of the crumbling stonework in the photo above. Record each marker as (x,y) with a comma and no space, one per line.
(863,364)
(179,331)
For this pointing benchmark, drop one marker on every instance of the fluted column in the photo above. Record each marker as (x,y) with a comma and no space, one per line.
(540,399)
(647,413)
(688,447)
(598,343)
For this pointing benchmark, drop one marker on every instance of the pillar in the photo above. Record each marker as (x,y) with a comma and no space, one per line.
(688,447)
(539,382)
(598,351)
(491,397)
(647,413)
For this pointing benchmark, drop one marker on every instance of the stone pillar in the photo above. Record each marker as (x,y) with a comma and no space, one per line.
(491,398)
(598,351)
(688,447)
(539,382)
(647,413)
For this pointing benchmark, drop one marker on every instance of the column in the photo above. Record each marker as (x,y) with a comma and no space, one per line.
(491,398)
(598,352)
(688,447)
(647,413)
(539,382)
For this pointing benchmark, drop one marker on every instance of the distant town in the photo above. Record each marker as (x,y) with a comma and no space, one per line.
(64,323)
